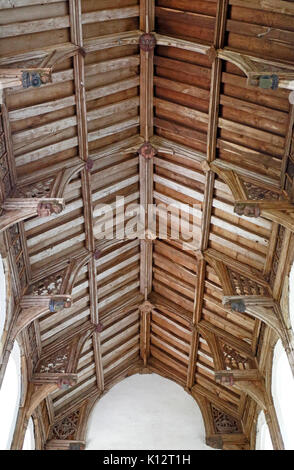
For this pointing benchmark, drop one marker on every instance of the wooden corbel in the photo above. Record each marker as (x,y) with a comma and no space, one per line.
(228,441)
(267,310)
(25,78)
(145,309)
(59,444)
(260,73)
(33,307)
(16,209)
(230,377)
(63,381)
(251,200)
(262,308)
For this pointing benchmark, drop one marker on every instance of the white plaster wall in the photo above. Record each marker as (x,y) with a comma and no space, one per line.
(29,439)
(10,397)
(263,438)
(283,393)
(146,412)
(291,296)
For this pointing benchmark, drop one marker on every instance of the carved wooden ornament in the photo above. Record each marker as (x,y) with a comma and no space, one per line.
(45,209)
(147,151)
(147,42)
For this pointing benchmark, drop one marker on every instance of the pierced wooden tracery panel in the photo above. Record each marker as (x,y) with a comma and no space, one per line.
(39,189)
(67,428)
(34,354)
(56,363)
(277,254)
(234,359)
(256,193)
(242,285)
(4,167)
(49,285)
(224,423)
(15,242)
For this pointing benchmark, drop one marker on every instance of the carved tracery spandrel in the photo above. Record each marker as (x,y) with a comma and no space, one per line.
(256,193)
(48,286)
(224,423)
(56,363)
(67,428)
(242,285)
(40,189)
(233,359)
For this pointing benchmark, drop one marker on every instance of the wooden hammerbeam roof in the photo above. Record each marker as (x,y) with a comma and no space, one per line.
(206,85)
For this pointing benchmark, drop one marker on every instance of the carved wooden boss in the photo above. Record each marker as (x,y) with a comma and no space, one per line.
(147,42)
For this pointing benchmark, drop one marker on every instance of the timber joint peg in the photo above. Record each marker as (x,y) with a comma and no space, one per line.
(147,42)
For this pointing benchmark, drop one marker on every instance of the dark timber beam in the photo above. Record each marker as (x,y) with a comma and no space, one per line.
(79,78)
(219,37)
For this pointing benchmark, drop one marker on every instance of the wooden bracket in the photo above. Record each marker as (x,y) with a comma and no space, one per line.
(59,444)
(230,377)
(17,210)
(260,73)
(25,78)
(33,307)
(63,381)
(267,310)
(252,200)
